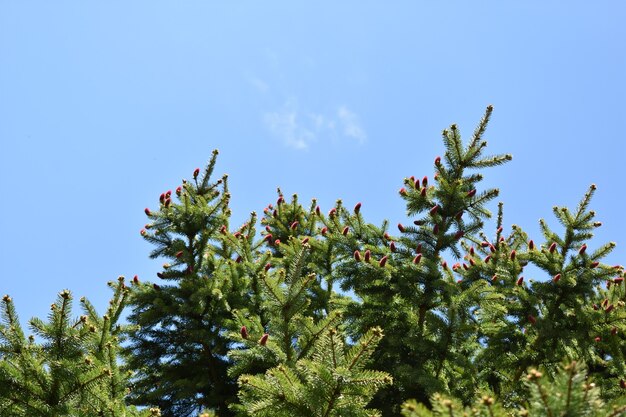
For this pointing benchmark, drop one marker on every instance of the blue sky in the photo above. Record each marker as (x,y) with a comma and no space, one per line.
(105,106)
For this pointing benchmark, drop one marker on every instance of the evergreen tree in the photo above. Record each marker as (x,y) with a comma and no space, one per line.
(179,346)
(68,366)
(408,288)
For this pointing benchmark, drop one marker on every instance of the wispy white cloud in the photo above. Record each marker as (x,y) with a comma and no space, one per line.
(299,129)
(350,123)
(286,125)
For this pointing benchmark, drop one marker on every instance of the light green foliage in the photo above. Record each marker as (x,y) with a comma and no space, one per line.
(309,370)
(330,381)
(570,394)
(69,366)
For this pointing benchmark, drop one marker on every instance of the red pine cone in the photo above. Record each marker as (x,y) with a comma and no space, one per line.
(552,247)
(609,308)
(424,181)
(268,237)
(357,208)
(168,194)
(556,278)
(167,202)
(305,240)
(179,190)
(368,254)
(520,281)
(402,191)
(436,229)
(156,287)
(512,256)
(459,235)
(332,212)
(459,215)
(531,245)
(136,279)
(263,339)
(357,256)
(318,211)
(471,193)
(594,264)
(582,249)
(434,209)
(345,231)
(532,320)
(417,258)
(196,172)
(484,244)
(147,211)
(267,267)
(324,230)
(392,246)
(244,332)
(239,259)
(438,161)
(400,227)
(618,280)
(423,192)
(419,248)
(487,258)
(597,339)
(383,261)
(179,254)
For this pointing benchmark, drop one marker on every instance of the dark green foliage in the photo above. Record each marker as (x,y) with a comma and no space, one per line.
(69,366)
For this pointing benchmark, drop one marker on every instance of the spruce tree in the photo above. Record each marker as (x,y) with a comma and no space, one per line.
(180,343)
(68,366)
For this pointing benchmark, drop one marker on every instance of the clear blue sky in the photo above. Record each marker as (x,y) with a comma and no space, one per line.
(105,106)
